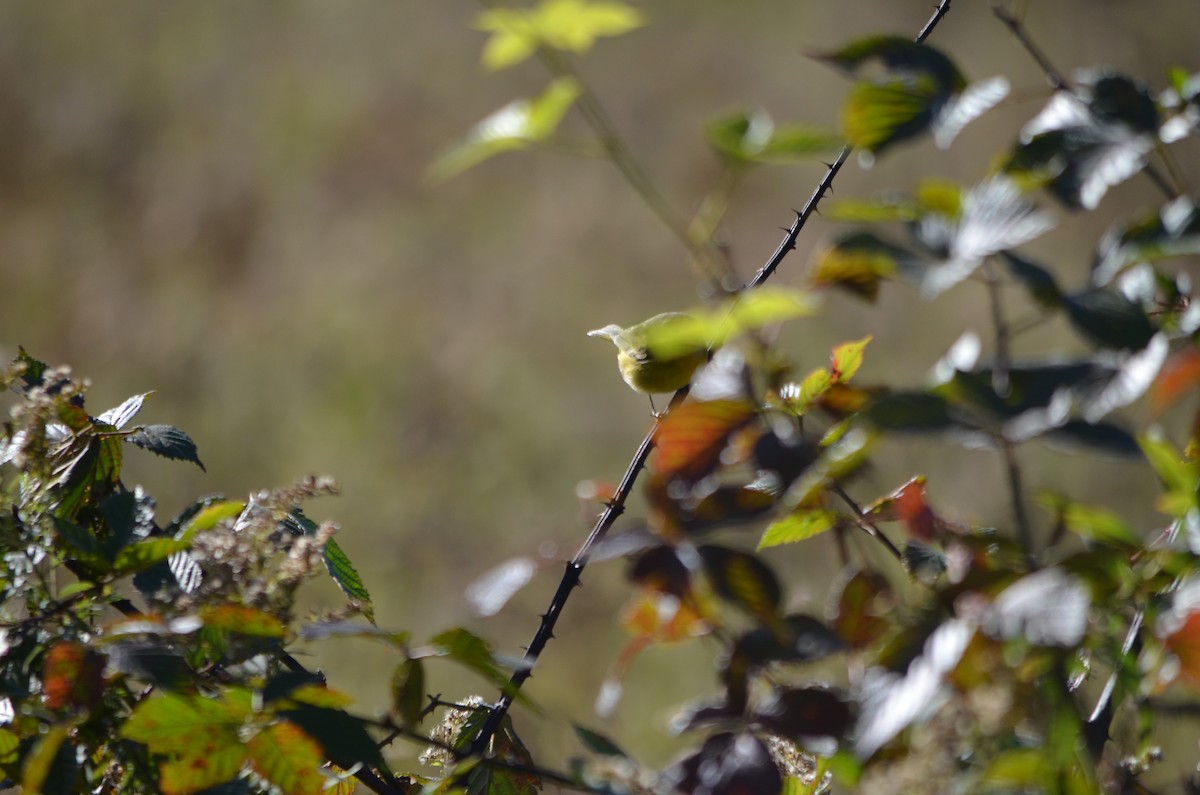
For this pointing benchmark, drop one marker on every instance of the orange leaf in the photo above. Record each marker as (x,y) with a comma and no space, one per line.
(1181,374)
(72,675)
(1184,643)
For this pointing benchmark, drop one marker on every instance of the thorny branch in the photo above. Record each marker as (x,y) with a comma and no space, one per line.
(571,578)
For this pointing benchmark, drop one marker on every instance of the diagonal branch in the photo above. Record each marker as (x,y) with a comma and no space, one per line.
(616,507)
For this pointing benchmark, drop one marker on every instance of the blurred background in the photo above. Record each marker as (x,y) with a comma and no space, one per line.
(228,203)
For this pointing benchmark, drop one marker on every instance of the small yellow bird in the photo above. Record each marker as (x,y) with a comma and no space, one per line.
(641,370)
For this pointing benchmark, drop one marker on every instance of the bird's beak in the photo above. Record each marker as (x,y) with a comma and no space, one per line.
(611,331)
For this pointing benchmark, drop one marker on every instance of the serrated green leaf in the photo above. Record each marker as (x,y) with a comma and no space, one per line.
(876,117)
(144,554)
(797,526)
(347,578)
(848,357)
(177,725)
(518,125)
(166,441)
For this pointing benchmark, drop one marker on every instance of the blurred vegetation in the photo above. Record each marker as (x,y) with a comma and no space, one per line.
(228,203)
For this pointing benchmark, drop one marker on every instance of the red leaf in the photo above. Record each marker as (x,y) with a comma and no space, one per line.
(690,439)
(1181,374)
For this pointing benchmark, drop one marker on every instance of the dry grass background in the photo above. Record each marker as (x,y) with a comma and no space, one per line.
(227,203)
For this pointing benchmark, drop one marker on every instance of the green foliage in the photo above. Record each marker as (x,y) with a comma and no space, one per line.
(961,649)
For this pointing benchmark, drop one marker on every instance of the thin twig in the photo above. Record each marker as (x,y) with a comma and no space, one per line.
(864,523)
(1000,383)
(569,582)
(616,507)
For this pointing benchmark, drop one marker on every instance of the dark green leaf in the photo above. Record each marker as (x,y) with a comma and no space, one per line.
(518,125)
(1110,319)
(899,56)
(1037,280)
(85,546)
(166,441)
(346,577)
(597,743)
(745,138)
(34,368)
(743,579)
(1098,437)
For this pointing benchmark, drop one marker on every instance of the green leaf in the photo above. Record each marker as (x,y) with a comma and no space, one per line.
(144,554)
(33,368)
(202,772)
(346,577)
(748,138)
(179,725)
(1040,283)
(571,25)
(575,25)
(1094,524)
(898,56)
(880,209)
(597,743)
(848,357)
(89,477)
(166,441)
(711,328)
(797,526)
(1180,477)
(46,760)
(518,125)
(876,117)
(1109,319)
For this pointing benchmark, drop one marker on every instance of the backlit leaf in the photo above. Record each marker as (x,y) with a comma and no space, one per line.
(518,125)
(797,526)
(689,440)
(860,262)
